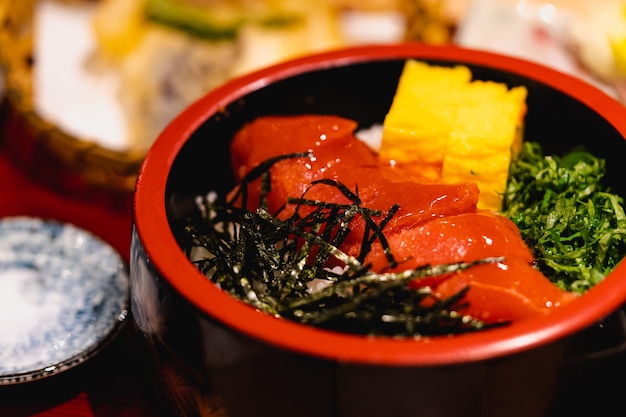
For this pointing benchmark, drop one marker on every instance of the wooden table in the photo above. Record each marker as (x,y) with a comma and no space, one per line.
(114,383)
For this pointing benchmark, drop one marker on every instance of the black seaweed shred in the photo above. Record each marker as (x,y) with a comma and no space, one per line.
(274,265)
(575,226)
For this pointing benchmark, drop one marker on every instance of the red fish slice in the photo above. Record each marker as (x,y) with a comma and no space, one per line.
(436,223)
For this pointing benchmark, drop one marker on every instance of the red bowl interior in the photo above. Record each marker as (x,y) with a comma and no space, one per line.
(166,256)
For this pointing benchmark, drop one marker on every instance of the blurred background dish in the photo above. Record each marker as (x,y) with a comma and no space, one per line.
(42,147)
(580,38)
(92,83)
(63,297)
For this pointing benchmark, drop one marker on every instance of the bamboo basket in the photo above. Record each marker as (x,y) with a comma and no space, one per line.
(76,160)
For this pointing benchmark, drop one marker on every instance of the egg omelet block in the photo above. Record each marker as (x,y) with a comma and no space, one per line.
(444,126)
(485,136)
(417,126)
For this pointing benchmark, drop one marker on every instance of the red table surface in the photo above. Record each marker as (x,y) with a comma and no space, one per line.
(114,382)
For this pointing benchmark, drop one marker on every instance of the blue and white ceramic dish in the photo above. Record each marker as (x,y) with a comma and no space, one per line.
(63,295)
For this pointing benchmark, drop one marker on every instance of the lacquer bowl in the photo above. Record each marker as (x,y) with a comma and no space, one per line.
(212,352)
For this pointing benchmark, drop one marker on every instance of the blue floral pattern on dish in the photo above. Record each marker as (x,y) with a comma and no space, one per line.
(63,294)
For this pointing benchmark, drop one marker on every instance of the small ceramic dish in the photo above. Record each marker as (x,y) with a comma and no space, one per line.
(63,296)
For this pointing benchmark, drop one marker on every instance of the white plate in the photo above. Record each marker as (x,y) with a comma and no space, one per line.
(64,295)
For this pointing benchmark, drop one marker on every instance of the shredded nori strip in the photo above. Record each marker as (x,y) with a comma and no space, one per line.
(273,264)
(575,226)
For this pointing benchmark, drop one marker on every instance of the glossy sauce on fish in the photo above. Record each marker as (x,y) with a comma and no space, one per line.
(436,223)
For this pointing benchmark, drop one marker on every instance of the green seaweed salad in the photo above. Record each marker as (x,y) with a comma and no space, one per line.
(574,225)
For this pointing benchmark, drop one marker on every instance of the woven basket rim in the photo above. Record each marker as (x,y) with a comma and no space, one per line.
(116,168)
